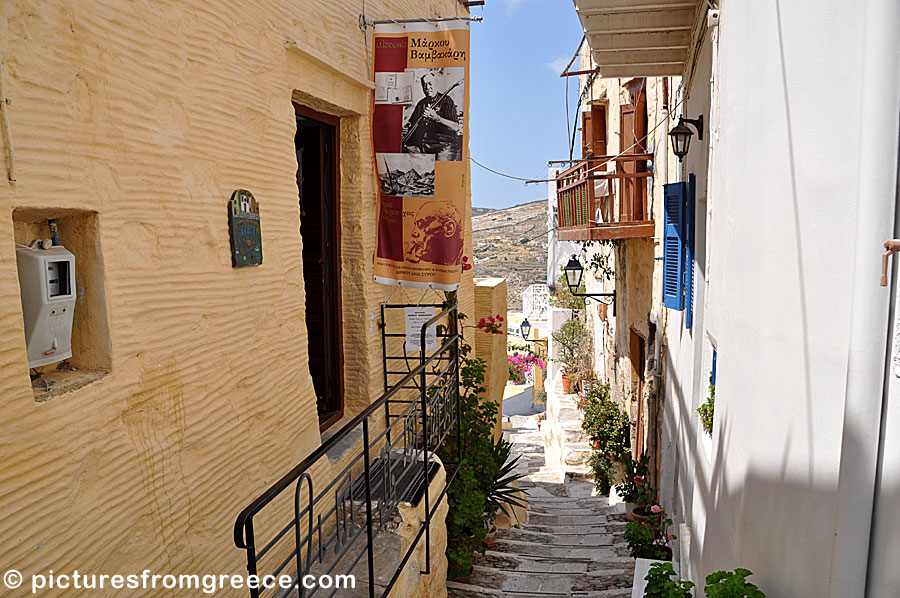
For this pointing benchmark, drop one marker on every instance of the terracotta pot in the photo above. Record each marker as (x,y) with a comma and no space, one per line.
(565,382)
(629,511)
(640,513)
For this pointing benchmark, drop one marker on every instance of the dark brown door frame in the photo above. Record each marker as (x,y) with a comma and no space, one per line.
(330,175)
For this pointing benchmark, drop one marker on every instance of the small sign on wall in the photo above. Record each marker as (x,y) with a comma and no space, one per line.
(416,317)
(243,223)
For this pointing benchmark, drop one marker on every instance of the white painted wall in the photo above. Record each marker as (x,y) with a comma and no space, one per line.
(558,252)
(772,288)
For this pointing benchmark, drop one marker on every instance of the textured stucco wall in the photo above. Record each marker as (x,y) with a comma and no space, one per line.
(490,300)
(150,115)
(635,275)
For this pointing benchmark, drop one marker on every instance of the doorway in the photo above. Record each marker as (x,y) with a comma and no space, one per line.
(633,127)
(638,355)
(316,144)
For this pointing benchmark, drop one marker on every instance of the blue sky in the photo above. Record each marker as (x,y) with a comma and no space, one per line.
(517,111)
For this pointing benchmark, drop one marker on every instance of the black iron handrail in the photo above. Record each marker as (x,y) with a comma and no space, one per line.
(403,446)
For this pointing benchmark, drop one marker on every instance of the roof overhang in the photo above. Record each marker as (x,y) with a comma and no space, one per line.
(639,38)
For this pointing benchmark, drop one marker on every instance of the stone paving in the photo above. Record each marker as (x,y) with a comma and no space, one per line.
(572,545)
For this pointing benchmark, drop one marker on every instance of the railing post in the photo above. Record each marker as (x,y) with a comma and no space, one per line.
(369,531)
(426,440)
(251,553)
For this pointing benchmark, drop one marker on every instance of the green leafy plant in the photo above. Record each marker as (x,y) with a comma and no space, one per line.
(637,488)
(660,583)
(602,468)
(707,409)
(607,427)
(599,262)
(561,296)
(504,494)
(725,584)
(482,484)
(605,423)
(540,396)
(575,350)
(647,539)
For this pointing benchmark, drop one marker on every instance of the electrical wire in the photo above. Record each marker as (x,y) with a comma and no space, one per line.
(624,152)
(490,257)
(509,176)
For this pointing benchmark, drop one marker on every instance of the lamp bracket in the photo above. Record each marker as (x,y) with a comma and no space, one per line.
(697,123)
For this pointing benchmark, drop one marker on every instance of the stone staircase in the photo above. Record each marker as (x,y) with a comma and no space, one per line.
(571,546)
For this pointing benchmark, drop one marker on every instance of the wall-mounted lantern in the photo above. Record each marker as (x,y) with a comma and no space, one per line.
(681,135)
(574,271)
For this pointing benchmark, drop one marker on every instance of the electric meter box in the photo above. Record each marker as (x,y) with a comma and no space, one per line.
(47,284)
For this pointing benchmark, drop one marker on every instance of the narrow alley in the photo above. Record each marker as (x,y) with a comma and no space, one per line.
(571,546)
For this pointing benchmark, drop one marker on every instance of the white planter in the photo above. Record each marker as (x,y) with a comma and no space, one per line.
(641,568)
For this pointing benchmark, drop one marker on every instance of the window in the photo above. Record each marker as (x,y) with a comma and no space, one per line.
(593,131)
(678,247)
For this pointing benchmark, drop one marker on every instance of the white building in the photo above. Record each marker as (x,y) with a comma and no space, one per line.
(795,193)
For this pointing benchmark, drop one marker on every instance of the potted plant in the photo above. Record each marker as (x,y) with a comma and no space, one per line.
(607,427)
(575,352)
(660,583)
(649,539)
(725,584)
(707,409)
(636,489)
(540,419)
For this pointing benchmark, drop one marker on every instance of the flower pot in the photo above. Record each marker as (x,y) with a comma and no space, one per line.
(668,551)
(640,512)
(565,383)
(629,511)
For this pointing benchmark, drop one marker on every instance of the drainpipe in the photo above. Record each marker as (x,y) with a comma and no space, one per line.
(880,103)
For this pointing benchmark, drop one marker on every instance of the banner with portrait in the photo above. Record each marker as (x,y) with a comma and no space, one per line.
(420,131)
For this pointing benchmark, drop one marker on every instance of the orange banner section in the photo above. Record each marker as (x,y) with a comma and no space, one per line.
(420,130)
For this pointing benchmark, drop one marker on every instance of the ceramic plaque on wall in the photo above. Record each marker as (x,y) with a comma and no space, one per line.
(243,223)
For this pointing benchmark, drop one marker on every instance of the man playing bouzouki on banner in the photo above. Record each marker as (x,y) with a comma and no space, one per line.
(434,126)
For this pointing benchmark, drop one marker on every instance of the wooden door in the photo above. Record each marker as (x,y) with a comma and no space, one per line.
(316,144)
(633,134)
(638,357)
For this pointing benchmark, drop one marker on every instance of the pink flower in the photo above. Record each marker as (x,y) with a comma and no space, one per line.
(670,537)
(491,319)
(655,509)
(467,267)
(465,258)
(500,318)
(481,322)
(638,479)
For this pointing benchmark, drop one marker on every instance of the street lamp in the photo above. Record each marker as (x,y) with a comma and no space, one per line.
(681,135)
(574,271)
(525,329)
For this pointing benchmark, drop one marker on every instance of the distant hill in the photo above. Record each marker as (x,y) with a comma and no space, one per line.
(512,243)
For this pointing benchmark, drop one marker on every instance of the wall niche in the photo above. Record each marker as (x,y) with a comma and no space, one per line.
(79,233)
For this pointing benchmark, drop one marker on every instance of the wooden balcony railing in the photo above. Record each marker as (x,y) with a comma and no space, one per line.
(590,210)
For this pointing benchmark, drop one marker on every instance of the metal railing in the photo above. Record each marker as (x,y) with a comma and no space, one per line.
(328,531)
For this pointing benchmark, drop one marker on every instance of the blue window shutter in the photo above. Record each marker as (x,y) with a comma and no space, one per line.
(690,203)
(673,246)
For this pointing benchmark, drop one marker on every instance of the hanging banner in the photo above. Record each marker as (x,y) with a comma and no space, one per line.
(420,131)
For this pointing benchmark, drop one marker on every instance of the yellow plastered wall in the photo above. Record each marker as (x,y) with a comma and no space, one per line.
(490,300)
(151,115)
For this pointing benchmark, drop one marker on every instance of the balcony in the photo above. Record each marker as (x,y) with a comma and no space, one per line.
(640,38)
(589,206)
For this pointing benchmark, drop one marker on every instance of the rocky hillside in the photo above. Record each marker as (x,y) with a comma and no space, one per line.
(512,243)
